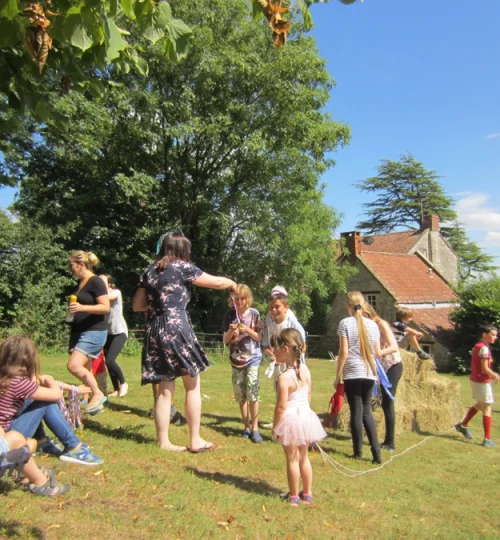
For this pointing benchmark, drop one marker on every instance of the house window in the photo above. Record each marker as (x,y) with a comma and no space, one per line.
(426,348)
(372,300)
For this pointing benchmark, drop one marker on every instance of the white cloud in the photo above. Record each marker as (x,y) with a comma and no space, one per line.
(492,239)
(492,136)
(477,215)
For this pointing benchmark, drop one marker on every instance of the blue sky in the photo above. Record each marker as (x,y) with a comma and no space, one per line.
(421,77)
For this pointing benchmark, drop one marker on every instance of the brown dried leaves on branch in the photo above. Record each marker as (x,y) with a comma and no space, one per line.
(275,12)
(37,39)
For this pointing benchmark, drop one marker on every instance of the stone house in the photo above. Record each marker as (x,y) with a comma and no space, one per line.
(414,269)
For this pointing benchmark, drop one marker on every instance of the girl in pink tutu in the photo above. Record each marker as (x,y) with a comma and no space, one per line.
(296,426)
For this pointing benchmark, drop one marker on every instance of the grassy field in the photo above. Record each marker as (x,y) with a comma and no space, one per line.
(445,488)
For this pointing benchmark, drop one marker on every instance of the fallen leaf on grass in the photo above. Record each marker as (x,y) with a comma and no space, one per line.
(230,519)
(362,505)
(99,472)
(263,508)
(244,459)
(126,412)
(422,520)
(331,525)
(55,526)
(206,397)
(87,495)
(223,525)
(168,506)
(268,518)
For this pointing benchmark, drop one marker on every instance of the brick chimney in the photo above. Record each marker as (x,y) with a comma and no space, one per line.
(352,242)
(430,222)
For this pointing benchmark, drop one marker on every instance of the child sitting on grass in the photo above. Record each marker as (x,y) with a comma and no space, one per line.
(296,426)
(480,381)
(242,331)
(39,480)
(401,330)
(28,398)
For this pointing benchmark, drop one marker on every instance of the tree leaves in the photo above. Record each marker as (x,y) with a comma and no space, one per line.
(78,32)
(9,9)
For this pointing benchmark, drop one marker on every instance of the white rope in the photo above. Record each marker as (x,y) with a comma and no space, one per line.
(352,473)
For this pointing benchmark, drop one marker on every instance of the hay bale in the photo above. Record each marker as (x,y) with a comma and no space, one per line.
(425,400)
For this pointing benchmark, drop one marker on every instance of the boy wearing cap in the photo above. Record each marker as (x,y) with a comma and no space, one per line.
(279,317)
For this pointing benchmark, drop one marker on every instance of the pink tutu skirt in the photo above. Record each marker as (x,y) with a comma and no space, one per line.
(299,426)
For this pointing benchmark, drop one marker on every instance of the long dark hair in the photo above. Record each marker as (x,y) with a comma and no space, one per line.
(18,358)
(174,246)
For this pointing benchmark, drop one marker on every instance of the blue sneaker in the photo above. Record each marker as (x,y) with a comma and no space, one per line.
(463,430)
(48,448)
(256,437)
(81,456)
(246,434)
(489,442)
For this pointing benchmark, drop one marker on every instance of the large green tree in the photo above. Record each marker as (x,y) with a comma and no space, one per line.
(406,192)
(228,144)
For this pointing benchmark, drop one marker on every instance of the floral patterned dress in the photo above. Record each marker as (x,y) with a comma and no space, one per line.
(171,348)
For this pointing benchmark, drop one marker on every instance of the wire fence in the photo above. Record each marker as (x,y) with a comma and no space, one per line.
(212,343)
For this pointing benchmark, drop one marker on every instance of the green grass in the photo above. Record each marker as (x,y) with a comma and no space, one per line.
(445,488)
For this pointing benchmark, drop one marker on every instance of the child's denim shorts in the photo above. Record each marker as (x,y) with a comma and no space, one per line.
(88,343)
(4,445)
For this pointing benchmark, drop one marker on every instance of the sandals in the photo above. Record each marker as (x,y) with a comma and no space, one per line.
(305,497)
(295,499)
(23,481)
(96,407)
(50,489)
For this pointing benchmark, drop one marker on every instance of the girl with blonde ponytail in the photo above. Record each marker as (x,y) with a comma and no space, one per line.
(359,341)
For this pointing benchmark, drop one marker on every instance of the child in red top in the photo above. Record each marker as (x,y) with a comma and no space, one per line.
(480,380)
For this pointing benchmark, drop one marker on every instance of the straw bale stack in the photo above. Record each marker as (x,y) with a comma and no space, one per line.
(425,400)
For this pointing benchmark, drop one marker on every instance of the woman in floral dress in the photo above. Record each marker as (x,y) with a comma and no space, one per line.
(171,349)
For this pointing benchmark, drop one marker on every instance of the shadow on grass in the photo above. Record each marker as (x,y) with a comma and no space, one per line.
(120,407)
(130,433)
(451,435)
(5,486)
(217,424)
(14,529)
(260,487)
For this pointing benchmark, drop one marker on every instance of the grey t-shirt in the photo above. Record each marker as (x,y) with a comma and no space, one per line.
(116,321)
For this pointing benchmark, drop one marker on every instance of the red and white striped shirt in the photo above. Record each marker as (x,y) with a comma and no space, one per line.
(11,401)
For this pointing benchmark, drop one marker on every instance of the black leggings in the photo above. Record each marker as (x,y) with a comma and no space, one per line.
(393,374)
(112,348)
(359,397)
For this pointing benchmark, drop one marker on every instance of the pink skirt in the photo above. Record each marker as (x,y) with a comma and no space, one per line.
(300,426)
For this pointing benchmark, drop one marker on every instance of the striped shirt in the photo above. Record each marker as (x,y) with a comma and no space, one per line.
(355,367)
(11,401)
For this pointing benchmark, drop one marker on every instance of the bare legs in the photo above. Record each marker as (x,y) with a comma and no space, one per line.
(251,421)
(298,466)
(77,367)
(193,414)
(163,404)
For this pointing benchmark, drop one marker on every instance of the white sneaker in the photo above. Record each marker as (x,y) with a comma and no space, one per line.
(123,390)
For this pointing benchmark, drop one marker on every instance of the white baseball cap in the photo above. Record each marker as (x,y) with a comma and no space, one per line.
(279,290)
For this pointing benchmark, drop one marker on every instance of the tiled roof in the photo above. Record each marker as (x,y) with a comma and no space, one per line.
(398,242)
(408,278)
(436,321)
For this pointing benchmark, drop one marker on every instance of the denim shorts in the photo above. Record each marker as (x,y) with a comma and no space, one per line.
(88,343)
(4,445)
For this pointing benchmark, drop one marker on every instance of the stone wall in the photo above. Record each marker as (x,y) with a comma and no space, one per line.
(435,249)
